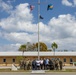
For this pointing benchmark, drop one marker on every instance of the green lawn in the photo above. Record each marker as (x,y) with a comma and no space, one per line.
(9,70)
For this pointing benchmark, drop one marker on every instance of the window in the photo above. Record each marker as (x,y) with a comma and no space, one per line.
(13,60)
(64,59)
(4,60)
(71,60)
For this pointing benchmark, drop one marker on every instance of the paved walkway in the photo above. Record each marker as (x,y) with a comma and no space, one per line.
(23,73)
(69,67)
(65,67)
(5,67)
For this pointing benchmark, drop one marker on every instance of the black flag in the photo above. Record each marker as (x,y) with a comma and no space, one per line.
(41,17)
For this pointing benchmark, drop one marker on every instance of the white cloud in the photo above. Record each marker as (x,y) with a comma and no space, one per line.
(9,47)
(68,44)
(21,37)
(0,34)
(10,1)
(74,2)
(63,27)
(20,20)
(19,28)
(61,30)
(6,7)
(68,3)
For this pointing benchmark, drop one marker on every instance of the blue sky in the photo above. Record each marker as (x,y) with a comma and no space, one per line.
(18,25)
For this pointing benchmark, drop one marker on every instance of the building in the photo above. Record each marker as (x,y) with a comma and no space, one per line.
(7,58)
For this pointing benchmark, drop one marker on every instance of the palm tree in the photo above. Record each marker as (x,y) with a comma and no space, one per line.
(54,46)
(22,48)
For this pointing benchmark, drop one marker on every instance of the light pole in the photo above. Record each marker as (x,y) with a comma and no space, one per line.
(38,28)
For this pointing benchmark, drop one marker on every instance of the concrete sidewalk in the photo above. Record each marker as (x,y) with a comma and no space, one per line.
(65,67)
(5,67)
(69,67)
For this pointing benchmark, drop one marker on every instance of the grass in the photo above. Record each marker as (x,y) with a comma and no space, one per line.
(9,70)
(21,70)
(71,70)
(66,70)
(5,70)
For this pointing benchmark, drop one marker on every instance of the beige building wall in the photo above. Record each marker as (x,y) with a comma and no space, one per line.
(9,59)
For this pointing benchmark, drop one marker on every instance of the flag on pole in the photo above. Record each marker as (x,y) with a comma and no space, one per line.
(41,17)
(31,7)
(50,7)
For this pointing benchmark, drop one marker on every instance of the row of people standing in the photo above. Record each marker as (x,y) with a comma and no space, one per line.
(47,64)
(42,64)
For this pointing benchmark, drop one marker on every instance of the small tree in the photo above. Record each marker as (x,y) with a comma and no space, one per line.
(22,48)
(18,58)
(54,46)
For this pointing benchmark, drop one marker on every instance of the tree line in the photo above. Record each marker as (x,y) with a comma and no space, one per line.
(34,47)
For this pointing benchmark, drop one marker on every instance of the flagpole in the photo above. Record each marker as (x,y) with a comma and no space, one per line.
(38,28)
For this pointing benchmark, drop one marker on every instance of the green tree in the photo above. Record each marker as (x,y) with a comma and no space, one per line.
(43,46)
(22,48)
(34,47)
(18,58)
(54,46)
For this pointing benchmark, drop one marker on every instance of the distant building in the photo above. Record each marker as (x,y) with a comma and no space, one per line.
(7,58)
